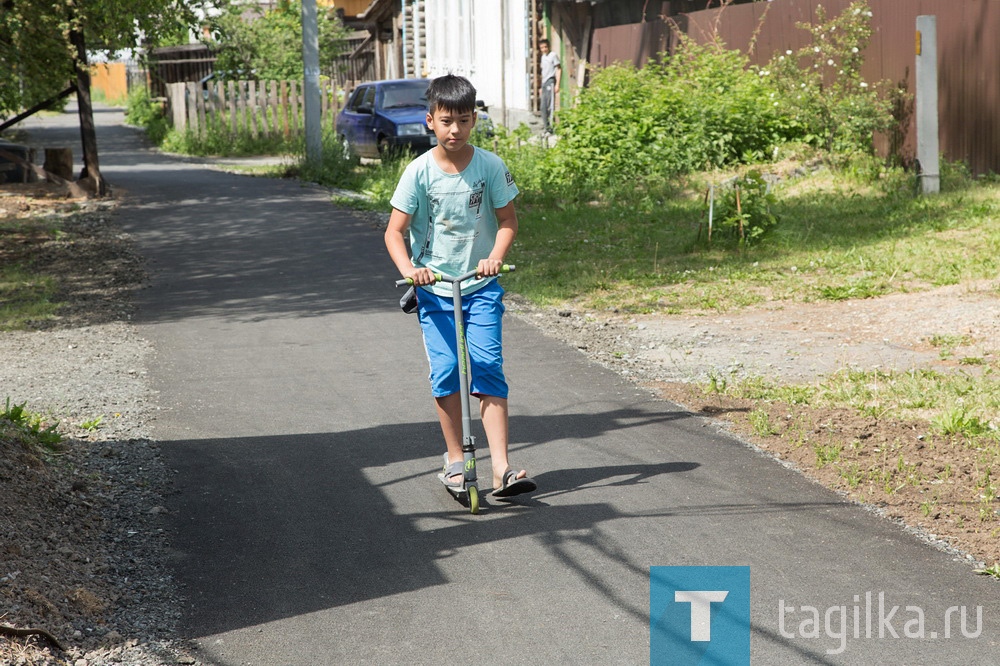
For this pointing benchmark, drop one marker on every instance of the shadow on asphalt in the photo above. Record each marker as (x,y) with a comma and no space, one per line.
(305,522)
(252,249)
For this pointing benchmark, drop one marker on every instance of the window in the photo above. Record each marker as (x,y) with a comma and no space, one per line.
(352,103)
(369,98)
(402,95)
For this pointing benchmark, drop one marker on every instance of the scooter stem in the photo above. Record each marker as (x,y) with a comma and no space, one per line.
(468,440)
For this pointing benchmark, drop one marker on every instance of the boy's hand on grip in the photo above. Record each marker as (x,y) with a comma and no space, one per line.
(421,276)
(489,267)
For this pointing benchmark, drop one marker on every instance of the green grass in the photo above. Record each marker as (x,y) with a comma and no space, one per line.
(97,95)
(836,240)
(92,425)
(826,454)
(959,403)
(760,421)
(25,297)
(218,141)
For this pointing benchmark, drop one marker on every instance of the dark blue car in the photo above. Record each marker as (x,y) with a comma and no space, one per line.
(385,116)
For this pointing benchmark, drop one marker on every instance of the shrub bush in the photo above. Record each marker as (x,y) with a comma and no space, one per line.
(141,110)
(744,209)
(820,87)
(702,107)
(706,106)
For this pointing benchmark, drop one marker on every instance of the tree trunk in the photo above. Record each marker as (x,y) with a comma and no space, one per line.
(88,133)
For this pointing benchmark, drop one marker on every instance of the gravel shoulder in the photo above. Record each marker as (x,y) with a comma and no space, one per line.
(82,550)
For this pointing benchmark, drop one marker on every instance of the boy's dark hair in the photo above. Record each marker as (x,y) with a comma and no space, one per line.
(451,93)
(543,41)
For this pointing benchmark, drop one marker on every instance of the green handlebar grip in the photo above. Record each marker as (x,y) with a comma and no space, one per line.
(437,278)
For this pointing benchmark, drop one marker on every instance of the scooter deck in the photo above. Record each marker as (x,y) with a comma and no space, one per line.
(462,496)
(456,492)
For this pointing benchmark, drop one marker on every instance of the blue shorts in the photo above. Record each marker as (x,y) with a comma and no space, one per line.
(483,310)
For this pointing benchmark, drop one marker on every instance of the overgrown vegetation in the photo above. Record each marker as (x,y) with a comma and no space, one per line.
(217,138)
(142,111)
(705,106)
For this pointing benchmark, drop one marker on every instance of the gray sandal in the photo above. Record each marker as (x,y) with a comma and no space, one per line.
(450,470)
(514,486)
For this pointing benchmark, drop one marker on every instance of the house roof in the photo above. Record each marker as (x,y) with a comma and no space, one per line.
(379,9)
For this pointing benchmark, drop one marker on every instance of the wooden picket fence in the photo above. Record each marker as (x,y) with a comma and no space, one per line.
(258,108)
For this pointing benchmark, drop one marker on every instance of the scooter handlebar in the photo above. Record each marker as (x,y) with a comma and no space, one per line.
(438,277)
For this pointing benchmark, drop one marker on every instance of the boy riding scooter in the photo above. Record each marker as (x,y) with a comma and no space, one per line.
(456,202)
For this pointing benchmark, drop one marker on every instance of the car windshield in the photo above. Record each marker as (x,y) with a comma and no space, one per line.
(400,95)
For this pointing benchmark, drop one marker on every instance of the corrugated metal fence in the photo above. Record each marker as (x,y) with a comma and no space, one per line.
(968,66)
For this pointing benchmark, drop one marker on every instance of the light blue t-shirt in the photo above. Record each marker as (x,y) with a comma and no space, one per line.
(454,222)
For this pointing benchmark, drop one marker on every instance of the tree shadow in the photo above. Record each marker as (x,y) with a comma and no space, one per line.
(272,527)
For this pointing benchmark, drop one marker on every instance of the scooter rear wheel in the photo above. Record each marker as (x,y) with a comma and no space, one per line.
(473,499)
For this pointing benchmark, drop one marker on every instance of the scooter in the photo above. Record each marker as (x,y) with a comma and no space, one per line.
(468,494)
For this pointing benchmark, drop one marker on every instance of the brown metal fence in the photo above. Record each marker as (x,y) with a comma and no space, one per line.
(173,64)
(968,58)
(634,42)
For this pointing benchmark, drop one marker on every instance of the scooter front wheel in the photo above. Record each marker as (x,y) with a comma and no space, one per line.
(473,498)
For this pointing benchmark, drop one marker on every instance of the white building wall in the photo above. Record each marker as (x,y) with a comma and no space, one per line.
(466,37)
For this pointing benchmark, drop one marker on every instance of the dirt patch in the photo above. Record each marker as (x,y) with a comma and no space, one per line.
(923,480)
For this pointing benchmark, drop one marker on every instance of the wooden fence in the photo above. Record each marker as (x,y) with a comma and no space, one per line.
(259,108)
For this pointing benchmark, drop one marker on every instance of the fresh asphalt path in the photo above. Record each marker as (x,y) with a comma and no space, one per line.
(307,524)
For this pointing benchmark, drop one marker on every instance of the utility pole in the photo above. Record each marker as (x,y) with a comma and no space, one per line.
(310,61)
(927,105)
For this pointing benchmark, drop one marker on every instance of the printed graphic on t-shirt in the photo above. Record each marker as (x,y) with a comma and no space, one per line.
(510,179)
(476,196)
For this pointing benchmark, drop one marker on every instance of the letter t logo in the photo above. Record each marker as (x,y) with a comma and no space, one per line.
(701,610)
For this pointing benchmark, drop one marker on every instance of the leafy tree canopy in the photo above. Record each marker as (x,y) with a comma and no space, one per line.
(37,57)
(254,44)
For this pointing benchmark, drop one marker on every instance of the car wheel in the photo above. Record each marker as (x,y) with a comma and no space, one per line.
(384,148)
